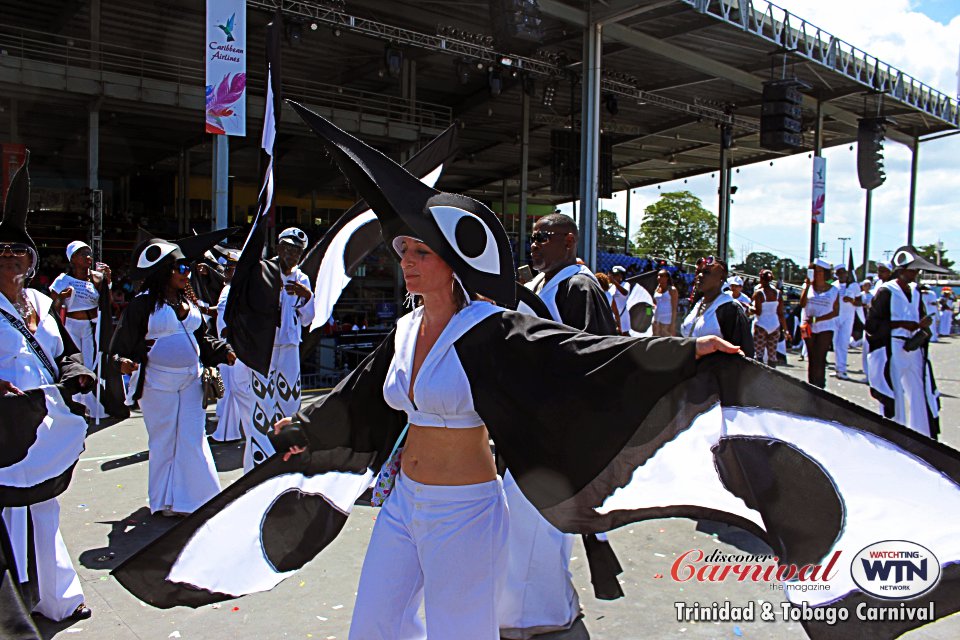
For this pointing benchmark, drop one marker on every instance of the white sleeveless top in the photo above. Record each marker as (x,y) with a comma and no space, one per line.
(84,297)
(441,393)
(663,309)
(703,322)
(768,320)
(820,304)
(175,346)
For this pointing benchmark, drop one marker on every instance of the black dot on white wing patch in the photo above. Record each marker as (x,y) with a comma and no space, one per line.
(154,253)
(469,237)
(313,512)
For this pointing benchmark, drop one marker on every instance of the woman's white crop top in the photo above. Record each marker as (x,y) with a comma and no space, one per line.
(441,393)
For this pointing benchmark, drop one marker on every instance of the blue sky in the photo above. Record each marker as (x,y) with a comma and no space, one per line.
(771,209)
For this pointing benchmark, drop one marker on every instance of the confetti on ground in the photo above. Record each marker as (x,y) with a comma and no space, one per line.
(235,609)
(175,634)
(737,631)
(215,605)
(74,630)
(321,619)
(303,582)
(81,506)
(337,606)
(659,555)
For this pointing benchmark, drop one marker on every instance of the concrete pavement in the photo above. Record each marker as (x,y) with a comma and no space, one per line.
(105,519)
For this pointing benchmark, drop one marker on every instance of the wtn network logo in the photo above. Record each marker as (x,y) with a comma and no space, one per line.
(895,569)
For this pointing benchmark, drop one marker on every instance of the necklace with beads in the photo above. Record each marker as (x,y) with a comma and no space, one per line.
(23,305)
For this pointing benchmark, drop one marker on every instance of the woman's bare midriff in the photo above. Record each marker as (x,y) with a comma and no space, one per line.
(441,456)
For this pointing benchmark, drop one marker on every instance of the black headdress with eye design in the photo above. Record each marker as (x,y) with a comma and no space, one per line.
(13,227)
(907,257)
(461,230)
(153,253)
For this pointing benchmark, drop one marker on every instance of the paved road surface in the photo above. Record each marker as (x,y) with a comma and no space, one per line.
(105,519)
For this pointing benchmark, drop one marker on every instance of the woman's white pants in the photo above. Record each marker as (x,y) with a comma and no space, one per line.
(57,581)
(182,475)
(228,408)
(82,333)
(443,546)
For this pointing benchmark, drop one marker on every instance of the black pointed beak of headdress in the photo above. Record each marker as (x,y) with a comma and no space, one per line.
(907,257)
(461,230)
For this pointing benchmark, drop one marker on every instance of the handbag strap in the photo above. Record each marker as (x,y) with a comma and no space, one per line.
(396,444)
(32,342)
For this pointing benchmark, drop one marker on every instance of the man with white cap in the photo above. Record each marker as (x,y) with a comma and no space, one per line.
(735,283)
(620,289)
(264,400)
(849,295)
(78,291)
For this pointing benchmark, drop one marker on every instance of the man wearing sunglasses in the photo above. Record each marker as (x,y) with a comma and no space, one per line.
(539,595)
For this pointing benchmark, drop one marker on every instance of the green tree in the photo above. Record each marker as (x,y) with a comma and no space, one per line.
(756,261)
(677,227)
(929,251)
(610,232)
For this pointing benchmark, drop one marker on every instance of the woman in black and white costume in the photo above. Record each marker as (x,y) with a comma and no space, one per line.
(901,377)
(163,340)
(37,351)
(439,538)
(717,313)
(78,291)
(228,410)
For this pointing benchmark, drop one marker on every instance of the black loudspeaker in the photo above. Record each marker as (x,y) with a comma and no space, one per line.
(781,115)
(565,163)
(870,134)
(517,25)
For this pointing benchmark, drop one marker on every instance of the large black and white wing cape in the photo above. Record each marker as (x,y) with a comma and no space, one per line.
(40,443)
(649,433)
(276,518)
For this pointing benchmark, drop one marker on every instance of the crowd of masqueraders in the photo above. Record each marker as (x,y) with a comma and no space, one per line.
(166,335)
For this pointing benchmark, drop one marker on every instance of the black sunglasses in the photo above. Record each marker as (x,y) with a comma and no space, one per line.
(17,250)
(544,236)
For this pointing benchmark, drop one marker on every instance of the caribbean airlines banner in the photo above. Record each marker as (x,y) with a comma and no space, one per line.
(819,189)
(226,53)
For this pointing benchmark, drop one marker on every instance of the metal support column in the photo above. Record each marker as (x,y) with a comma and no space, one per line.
(524,168)
(95,206)
(95,34)
(626,226)
(914,165)
(866,234)
(817,151)
(723,208)
(590,143)
(503,203)
(221,182)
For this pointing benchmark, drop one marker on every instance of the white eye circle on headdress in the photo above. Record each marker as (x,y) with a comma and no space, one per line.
(901,258)
(470,238)
(154,254)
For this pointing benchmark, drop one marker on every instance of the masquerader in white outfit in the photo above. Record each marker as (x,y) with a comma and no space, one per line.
(229,417)
(264,400)
(901,376)
(163,339)
(539,595)
(620,289)
(848,293)
(932,304)
(78,290)
(36,351)
(947,302)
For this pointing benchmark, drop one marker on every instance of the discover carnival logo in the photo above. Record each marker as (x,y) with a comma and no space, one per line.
(895,570)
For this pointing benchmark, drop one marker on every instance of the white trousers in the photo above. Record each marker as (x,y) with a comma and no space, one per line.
(57,580)
(841,342)
(182,475)
(934,332)
(911,396)
(82,333)
(443,546)
(264,401)
(863,358)
(228,409)
(539,595)
(946,322)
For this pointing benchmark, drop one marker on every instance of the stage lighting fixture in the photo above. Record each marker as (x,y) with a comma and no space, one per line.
(294,32)
(495,81)
(610,102)
(393,58)
(313,26)
(549,93)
